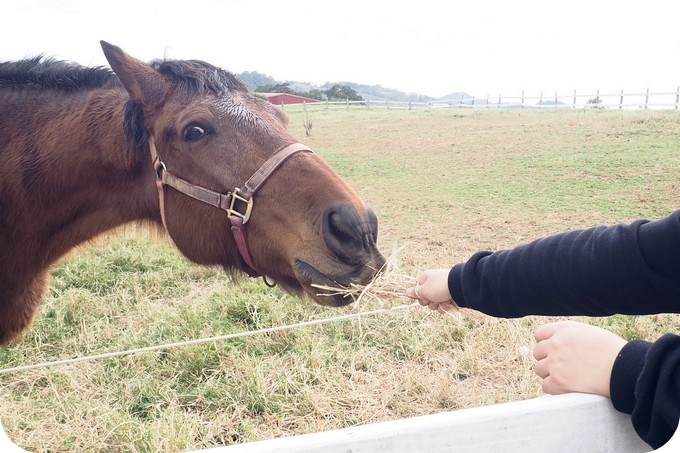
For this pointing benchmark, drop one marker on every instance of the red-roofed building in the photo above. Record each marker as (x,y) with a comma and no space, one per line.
(286,98)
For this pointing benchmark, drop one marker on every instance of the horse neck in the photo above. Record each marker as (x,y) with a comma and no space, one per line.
(77,175)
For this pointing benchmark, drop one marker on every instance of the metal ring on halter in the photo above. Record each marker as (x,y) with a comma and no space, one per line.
(266,282)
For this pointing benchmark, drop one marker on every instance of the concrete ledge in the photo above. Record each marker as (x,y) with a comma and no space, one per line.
(564,423)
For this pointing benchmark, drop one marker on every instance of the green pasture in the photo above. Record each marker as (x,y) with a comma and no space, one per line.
(444,183)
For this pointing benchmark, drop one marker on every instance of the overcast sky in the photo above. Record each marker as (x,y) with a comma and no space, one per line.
(430,47)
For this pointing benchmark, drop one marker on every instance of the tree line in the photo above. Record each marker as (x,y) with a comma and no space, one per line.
(334,93)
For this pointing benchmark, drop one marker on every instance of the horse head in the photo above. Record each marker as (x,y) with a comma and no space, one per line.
(209,140)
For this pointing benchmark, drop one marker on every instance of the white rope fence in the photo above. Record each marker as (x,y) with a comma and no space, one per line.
(201,340)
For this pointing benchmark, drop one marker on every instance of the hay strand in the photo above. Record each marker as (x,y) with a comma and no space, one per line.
(386,289)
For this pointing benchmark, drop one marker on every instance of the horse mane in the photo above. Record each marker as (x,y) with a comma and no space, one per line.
(192,77)
(54,74)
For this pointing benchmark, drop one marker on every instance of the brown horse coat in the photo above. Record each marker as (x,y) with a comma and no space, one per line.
(75,162)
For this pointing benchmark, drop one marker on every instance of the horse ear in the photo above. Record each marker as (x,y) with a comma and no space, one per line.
(144,84)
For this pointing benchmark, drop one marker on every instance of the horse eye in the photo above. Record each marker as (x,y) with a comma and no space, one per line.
(194,133)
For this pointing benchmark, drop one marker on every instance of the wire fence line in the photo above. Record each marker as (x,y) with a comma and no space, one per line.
(108,355)
(668,100)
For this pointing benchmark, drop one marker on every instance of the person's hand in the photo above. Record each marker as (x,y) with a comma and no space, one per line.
(432,290)
(575,357)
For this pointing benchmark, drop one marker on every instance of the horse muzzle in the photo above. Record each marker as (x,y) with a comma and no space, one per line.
(350,237)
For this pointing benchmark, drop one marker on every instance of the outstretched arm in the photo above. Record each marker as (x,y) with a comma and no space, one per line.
(627,268)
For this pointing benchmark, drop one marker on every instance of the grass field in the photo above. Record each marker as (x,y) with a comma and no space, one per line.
(444,183)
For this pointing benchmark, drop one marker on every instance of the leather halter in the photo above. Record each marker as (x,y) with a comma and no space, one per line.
(231,202)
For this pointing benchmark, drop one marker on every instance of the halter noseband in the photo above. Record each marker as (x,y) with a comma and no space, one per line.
(231,202)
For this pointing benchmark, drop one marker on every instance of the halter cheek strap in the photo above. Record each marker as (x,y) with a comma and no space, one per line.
(238,203)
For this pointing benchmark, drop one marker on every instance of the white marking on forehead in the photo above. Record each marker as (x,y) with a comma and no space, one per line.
(232,107)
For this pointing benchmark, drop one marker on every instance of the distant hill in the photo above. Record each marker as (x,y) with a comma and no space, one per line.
(550,102)
(380,93)
(458,97)
(253,80)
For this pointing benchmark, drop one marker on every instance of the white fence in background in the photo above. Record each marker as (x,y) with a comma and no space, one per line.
(564,423)
(669,100)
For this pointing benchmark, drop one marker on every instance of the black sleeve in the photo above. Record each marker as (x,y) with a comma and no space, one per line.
(627,268)
(645,383)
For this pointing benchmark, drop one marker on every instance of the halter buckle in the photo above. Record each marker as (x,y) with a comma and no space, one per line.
(248,208)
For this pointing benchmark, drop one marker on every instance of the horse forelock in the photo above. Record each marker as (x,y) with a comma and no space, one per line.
(198,77)
(54,74)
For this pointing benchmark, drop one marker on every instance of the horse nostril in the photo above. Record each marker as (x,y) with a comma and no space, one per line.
(348,235)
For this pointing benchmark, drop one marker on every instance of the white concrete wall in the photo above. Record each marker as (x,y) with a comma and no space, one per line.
(564,423)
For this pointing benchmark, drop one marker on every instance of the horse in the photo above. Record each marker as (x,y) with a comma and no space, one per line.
(180,144)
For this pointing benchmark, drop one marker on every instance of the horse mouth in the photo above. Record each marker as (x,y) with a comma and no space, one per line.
(327,290)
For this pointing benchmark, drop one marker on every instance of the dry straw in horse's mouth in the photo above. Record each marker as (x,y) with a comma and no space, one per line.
(387,287)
